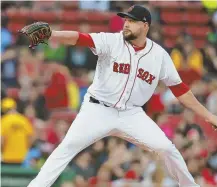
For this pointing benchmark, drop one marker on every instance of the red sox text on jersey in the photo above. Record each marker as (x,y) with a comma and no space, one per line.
(125,69)
(125,78)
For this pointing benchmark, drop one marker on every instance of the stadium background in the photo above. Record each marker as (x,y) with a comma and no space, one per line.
(42,90)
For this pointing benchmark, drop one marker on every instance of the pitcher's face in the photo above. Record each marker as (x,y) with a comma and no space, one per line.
(134,29)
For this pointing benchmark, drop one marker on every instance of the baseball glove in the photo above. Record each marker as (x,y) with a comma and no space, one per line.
(37,33)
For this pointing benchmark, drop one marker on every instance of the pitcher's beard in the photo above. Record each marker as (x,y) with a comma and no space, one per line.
(129,37)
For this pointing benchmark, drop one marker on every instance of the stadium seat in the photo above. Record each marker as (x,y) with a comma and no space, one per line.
(18,15)
(95,16)
(51,16)
(90,16)
(176,4)
(165,4)
(68,26)
(13,93)
(170,42)
(70,16)
(15,26)
(200,43)
(190,5)
(172,17)
(172,30)
(198,31)
(196,17)
(99,28)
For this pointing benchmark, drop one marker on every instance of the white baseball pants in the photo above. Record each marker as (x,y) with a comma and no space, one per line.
(96,121)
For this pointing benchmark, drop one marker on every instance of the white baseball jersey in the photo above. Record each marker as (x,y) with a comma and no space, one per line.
(125,78)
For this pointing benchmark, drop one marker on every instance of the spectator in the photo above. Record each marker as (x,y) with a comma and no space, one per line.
(155,13)
(176,53)
(73,94)
(179,140)
(54,51)
(3,92)
(33,95)
(82,164)
(192,56)
(45,149)
(6,36)
(210,61)
(158,176)
(188,60)
(189,124)
(57,132)
(80,181)
(209,177)
(26,69)
(201,90)
(9,67)
(135,167)
(116,22)
(155,34)
(30,113)
(210,6)
(118,156)
(40,103)
(67,184)
(99,154)
(57,98)
(17,134)
(38,64)
(156,104)
(130,179)
(32,158)
(211,102)
(193,166)
(103,178)
(212,36)
(81,57)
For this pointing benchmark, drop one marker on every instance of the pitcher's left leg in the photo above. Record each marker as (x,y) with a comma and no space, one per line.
(143,132)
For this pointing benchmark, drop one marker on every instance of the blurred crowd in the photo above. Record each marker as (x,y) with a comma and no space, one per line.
(42,91)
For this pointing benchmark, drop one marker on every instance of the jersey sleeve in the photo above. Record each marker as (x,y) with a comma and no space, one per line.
(85,40)
(103,43)
(168,73)
(179,89)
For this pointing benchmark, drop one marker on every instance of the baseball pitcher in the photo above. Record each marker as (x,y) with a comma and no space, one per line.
(129,67)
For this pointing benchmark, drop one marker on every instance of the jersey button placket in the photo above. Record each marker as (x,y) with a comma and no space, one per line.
(131,82)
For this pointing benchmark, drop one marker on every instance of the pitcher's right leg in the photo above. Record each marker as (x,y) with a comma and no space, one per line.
(93,122)
(139,129)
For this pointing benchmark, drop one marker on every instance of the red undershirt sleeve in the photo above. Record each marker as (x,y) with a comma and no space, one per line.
(85,40)
(179,89)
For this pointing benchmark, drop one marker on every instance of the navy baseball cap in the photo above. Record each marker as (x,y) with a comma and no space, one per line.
(138,13)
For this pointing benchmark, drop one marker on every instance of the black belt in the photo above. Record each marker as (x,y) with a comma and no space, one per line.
(93,100)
